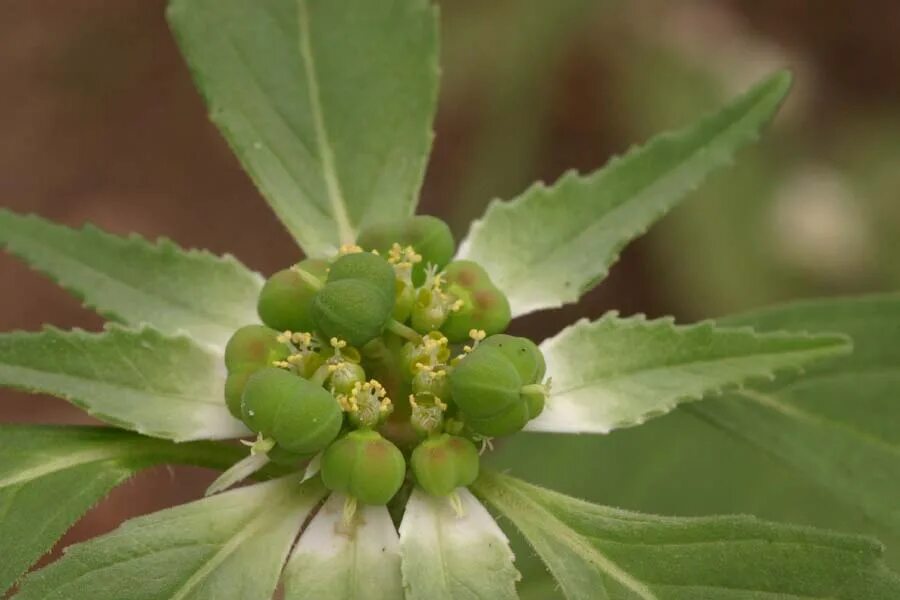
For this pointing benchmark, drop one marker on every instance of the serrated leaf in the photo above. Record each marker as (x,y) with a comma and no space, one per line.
(228,547)
(548,246)
(338,562)
(596,552)
(614,372)
(50,476)
(327,103)
(838,425)
(144,381)
(447,556)
(136,282)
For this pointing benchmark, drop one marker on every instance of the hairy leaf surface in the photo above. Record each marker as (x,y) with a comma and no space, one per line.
(144,381)
(615,372)
(136,282)
(598,553)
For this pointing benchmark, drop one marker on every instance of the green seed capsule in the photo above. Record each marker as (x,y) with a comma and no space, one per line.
(368,267)
(523,353)
(300,416)
(234,390)
(364,465)
(487,388)
(483,305)
(429,236)
(285,302)
(443,463)
(353,310)
(254,347)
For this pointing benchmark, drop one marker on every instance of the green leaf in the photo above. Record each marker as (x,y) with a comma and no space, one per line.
(137,282)
(447,556)
(327,103)
(144,381)
(838,424)
(551,244)
(615,372)
(596,552)
(337,562)
(51,476)
(227,547)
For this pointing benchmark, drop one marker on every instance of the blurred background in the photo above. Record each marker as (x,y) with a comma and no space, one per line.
(101,123)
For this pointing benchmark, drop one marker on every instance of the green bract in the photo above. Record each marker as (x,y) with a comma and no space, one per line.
(429,236)
(285,302)
(300,416)
(365,466)
(443,463)
(489,389)
(484,307)
(357,300)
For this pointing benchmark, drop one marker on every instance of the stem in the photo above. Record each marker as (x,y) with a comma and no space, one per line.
(310,279)
(238,472)
(398,328)
(320,375)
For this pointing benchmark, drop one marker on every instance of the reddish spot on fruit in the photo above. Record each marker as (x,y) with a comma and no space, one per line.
(485,299)
(376,450)
(466,277)
(438,455)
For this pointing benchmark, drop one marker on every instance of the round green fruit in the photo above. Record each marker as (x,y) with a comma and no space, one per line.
(486,386)
(522,353)
(429,236)
(285,302)
(484,306)
(443,463)
(365,266)
(364,465)
(353,310)
(300,416)
(254,347)
(234,390)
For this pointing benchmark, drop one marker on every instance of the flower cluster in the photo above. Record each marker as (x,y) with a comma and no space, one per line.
(389,356)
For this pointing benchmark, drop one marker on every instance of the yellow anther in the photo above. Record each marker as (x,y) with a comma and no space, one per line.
(281,364)
(477,334)
(440,404)
(284,337)
(349,249)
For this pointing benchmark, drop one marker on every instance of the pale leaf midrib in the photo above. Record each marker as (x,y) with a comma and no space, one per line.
(576,543)
(791,411)
(267,517)
(113,387)
(550,257)
(62,463)
(812,354)
(109,280)
(346,232)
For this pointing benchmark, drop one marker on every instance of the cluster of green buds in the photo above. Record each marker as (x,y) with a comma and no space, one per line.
(385,366)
